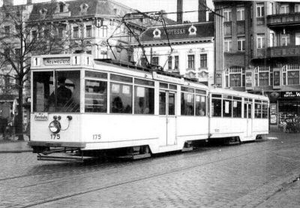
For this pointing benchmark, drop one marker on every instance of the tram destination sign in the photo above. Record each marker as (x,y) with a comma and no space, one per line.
(167,78)
(57,61)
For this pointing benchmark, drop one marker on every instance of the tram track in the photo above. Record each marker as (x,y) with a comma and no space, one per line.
(143,178)
(105,165)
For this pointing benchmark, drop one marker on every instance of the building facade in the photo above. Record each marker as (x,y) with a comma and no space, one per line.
(256,44)
(186,49)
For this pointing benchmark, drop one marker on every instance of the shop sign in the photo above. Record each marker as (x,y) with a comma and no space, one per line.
(176,31)
(248,79)
(273,114)
(290,94)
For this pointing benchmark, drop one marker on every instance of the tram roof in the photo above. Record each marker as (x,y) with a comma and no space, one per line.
(150,68)
(237,93)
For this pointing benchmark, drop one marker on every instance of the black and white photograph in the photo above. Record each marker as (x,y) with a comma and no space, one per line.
(149,103)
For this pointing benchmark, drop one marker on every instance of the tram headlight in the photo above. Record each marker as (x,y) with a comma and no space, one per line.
(55,127)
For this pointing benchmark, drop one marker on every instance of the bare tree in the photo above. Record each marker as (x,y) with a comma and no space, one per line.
(19,39)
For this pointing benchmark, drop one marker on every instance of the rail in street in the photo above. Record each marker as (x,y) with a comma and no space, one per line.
(215,176)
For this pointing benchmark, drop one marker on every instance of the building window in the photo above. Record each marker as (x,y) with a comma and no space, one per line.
(155,61)
(227,29)
(18,52)
(297,8)
(170,60)
(176,62)
(263,78)
(75,32)
(260,41)
(143,61)
(285,40)
(34,34)
(235,77)
(260,10)
(235,80)
(103,32)
(297,39)
(7,30)
(60,32)
(293,78)
(272,39)
(284,9)
(227,45)
(7,52)
(191,61)
(241,44)
(227,15)
(46,33)
(240,14)
(203,60)
(61,7)
(88,31)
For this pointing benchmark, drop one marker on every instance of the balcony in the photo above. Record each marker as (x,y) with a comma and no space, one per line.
(283,51)
(282,20)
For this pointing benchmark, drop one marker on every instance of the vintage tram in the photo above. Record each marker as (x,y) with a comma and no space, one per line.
(84,107)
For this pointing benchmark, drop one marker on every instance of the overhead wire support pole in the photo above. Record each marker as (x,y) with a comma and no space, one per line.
(110,38)
(167,35)
(135,36)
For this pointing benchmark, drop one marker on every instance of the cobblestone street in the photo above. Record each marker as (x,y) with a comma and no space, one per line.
(258,174)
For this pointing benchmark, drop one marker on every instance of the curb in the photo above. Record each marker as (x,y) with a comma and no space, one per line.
(14,151)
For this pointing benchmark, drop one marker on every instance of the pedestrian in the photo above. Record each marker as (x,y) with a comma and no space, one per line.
(3,124)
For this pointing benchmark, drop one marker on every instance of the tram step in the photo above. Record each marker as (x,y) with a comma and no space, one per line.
(135,156)
(64,159)
(187,149)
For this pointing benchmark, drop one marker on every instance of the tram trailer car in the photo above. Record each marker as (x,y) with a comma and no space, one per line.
(237,116)
(86,107)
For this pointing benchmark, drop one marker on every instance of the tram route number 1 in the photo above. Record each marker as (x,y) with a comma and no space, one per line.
(55,136)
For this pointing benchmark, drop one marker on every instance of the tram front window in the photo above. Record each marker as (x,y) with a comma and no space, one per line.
(56,91)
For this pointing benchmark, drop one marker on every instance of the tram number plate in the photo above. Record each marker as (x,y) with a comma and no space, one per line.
(55,136)
(96,136)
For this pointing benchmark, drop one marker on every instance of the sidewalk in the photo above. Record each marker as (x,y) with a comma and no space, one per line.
(12,145)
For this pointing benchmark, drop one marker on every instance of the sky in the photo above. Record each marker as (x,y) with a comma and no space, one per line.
(154,5)
(167,5)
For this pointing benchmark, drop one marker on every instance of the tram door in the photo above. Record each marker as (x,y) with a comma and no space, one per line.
(248,116)
(167,102)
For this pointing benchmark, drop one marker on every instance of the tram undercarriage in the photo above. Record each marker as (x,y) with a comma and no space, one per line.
(78,155)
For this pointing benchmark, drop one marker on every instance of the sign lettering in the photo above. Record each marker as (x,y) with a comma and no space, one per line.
(57,61)
(41,116)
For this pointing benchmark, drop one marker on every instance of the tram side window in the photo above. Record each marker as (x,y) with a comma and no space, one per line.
(66,96)
(95,96)
(237,109)
(200,105)
(216,107)
(265,110)
(258,110)
(143,100)
(121,98)
(43,86)
(162,103)
(227,108)
(187,104)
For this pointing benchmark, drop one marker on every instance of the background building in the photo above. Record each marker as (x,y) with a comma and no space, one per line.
(188,50)
(257,50)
